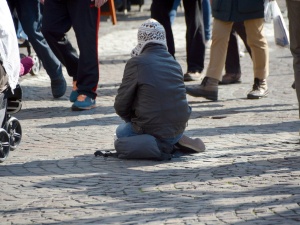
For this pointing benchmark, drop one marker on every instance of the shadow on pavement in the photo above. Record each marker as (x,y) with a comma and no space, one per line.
(127,183)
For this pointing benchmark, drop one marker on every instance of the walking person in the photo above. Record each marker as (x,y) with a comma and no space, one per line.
(83,16)
(293,7)
(225,13)
(195,39)
(29,14)
(195,43)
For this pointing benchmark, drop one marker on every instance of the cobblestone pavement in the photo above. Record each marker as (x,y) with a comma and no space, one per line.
(248,175)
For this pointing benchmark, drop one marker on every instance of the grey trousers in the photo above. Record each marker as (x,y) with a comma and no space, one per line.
(294,28)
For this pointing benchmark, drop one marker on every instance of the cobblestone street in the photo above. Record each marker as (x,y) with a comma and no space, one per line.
(248,175)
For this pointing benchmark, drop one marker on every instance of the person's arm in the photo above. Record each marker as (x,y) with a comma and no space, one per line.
(126,93)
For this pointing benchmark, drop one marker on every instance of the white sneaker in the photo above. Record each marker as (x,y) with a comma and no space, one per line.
(191,144)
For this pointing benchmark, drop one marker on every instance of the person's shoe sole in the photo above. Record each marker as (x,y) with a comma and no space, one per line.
(188,78)
(75,108)
(187,148)
(258,97)
(230,82)
(190,147)
(210,95)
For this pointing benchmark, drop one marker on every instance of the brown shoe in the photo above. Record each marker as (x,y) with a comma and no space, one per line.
(259,89)
(231,78)
(207,89)
(190,144)
(192,76)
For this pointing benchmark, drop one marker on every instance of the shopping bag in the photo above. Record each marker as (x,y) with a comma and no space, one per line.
(281,33)
(268,11)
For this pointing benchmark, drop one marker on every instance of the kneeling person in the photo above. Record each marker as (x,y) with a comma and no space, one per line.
(152,97)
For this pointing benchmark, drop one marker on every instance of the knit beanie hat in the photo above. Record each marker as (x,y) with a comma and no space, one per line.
(150,31)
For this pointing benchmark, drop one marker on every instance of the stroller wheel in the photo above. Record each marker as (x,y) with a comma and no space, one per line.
(14,130)
(36,66)
(4,145)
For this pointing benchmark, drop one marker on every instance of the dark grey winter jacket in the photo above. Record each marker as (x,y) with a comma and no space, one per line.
(152,94)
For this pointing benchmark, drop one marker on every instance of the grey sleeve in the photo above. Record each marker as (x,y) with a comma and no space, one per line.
(127,92)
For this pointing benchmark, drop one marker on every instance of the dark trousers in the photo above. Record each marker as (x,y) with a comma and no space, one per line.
(294,28)
(160,10)
(30,17)
(195,46)
(58,18)
(232,64)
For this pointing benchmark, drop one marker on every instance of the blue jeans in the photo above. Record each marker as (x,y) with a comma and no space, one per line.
(206,8)
(126,130)
(29,14)
(173,11)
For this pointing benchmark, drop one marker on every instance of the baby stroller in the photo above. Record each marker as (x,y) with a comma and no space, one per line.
(37,62)
(24,43)
(10,131)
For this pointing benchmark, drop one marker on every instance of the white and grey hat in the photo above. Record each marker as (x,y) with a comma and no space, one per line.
(150,31)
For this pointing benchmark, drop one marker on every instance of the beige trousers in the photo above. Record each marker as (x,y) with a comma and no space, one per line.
(256,41)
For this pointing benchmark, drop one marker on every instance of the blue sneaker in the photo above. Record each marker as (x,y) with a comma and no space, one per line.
(58,87)
(83,102)
(73,96)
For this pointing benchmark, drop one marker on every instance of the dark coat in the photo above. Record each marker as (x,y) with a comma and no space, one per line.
(237,10)
(152,94)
